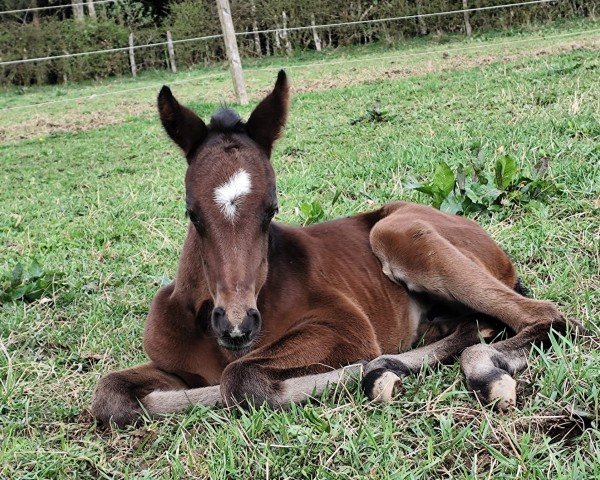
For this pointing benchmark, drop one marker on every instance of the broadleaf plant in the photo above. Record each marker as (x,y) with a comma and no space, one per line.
(473,189)
(28,283)
(311,212)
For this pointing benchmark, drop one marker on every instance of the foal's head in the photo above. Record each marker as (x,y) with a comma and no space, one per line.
(230,200)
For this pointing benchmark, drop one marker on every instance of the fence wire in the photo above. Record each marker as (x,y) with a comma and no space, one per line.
(273,30)
(53,7)
(309,65)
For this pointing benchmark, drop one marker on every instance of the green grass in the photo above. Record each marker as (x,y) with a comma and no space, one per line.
(105,208)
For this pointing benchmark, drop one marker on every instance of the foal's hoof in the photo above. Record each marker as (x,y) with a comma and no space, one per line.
(503,392)
(577,327)
(498,389)
(381,385)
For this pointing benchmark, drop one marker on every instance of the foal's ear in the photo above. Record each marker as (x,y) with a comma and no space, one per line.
(268,118)
(184,127)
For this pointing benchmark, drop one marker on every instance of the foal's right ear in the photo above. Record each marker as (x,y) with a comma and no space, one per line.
(267,120)
(184,127)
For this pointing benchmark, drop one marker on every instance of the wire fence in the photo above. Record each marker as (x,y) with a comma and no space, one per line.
(54,7)
(277,30)
(224,73)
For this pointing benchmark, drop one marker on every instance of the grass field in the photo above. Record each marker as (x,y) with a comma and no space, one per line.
(102,204)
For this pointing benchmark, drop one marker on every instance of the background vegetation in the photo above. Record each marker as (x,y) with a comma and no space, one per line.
(56,32)
(93,219)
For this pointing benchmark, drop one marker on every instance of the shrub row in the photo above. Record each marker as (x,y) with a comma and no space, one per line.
(192,18)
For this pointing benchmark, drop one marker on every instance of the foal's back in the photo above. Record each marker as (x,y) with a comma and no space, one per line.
(333,262)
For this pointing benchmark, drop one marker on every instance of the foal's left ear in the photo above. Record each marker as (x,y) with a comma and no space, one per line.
(268,118)
(184,127)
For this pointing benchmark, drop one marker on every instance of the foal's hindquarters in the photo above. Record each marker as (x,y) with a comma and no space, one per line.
(436,279)
(451,260)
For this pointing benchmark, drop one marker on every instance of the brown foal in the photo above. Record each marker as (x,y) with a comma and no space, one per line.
(263,312)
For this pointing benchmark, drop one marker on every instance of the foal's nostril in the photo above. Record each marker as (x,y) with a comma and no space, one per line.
(235,336)
(252,322)
(218,318)
(254,314)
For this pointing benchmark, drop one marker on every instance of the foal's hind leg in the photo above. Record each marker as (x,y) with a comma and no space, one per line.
(489,368)
(383,375)
(452,260)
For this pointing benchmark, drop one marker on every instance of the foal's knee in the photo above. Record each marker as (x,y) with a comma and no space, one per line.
(387,234)
(244,384)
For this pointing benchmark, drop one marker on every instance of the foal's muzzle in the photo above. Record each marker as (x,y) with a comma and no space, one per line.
(235,337)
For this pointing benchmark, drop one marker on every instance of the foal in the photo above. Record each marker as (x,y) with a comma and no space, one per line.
(263,312)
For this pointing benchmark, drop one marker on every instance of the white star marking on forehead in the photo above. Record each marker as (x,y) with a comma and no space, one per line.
(227,196)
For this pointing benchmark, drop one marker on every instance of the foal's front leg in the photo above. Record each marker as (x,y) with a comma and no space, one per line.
(117,396)
(305,360)
(317,352)
(291,390)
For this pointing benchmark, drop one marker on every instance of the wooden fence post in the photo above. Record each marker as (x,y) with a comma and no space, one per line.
(420,20)
(132,56)
(315,34)
(468,28)
(284,35)
(235,64)
(171,51)
(255,29)
(91,9)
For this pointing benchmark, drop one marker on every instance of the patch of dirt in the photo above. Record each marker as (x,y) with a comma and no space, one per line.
(72,119)
(83,115)
(559,426)
(446,62)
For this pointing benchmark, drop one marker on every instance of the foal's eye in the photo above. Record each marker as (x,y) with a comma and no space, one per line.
(271,212)
(194,219)
(191,215)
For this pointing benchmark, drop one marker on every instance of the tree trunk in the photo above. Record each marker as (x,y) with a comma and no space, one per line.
(468,29)
(91,9)
(255,29)
(132,56)
(171,51)
(420,20)
(277,45)
(284,35)
(35,15)
(315,34)
(77,10)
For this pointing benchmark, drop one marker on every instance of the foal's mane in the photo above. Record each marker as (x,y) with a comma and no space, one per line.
(226,120)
